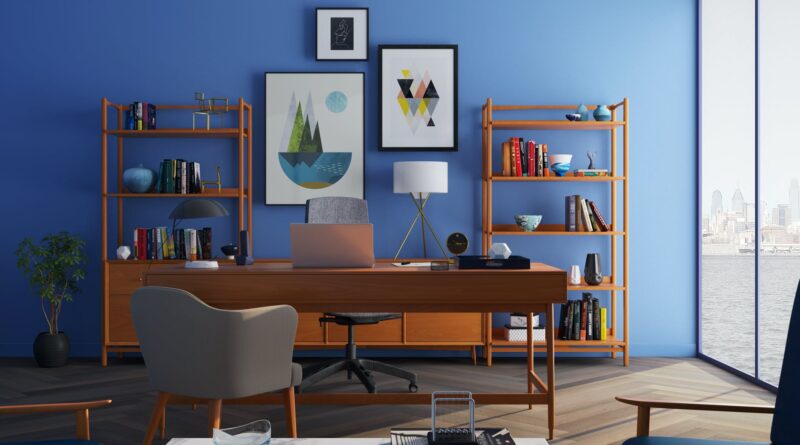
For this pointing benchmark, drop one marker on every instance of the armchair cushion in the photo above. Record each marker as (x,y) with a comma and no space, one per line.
(655,440)
(297,375)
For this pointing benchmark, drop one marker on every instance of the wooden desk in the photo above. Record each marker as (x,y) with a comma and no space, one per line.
(385,288)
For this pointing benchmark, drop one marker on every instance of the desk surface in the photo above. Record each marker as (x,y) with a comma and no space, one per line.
(339,441)
(384,288)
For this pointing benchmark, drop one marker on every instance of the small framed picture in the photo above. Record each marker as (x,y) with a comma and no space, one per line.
(419,97)
(342,33)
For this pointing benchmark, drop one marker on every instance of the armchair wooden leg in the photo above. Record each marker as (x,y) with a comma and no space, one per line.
(164,423)
(155,418)
(82,424)
(643,421)
(214,415)
(291,414)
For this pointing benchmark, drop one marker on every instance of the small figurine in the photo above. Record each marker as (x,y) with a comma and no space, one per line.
(591,155)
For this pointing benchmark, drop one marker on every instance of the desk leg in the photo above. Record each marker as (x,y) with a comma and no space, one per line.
(529,374)
(551,372)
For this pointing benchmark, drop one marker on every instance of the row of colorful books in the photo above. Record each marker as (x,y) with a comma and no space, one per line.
(525,158)
(140,116)
(583,319)
(157,243)
(178,176)
(582,215)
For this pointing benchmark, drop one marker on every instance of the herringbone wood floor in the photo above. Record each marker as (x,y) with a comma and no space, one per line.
(585,406)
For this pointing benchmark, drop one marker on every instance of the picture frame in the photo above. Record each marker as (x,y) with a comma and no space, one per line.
(342,34)
(314,136)
(418,109)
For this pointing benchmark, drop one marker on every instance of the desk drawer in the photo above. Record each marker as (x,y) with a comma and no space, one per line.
(120,322)
(385,331)
(308,328)
(431,327)
(123,278)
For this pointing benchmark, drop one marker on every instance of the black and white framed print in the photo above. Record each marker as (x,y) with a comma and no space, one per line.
(314,136)
(419,97)
(342,33)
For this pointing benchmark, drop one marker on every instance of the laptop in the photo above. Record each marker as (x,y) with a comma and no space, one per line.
(332,245)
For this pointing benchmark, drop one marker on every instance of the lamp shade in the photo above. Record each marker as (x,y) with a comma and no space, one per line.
(198,208)
(420,177)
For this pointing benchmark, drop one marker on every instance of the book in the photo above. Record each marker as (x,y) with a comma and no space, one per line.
(578,214)
(589,318)
(590,172)
(600,220)
(531,157)
(582,305)
(592,219)
(603,329)
(569,214)
(517,157)
(596,318)
(506,160)
(562,318)
(523,151)
(513,158)
(151,117)
(576,320)
(587,223)
(545,161)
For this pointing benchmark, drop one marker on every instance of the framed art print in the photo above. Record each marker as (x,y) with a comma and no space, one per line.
(419,97)
(314,136)
(342,33)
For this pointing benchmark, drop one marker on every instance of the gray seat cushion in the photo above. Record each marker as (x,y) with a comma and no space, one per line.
(655,440)
(297,374)
(362,317)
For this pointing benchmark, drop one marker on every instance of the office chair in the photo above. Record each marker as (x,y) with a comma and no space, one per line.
(340,210)
(194,350)
(81,410)
(785,425)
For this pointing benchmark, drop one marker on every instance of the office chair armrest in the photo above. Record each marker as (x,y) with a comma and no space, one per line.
(644,406)
(81,410)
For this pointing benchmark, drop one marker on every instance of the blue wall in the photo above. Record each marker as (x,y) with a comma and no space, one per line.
(60,58)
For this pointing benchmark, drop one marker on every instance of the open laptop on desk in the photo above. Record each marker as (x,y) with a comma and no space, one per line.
(332,245)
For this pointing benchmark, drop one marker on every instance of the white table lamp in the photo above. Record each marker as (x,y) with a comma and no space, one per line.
(420,179)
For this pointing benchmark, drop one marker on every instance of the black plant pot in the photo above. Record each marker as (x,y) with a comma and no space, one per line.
(591,271)
(51,351)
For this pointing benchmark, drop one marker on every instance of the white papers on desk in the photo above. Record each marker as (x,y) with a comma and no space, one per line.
(410,264)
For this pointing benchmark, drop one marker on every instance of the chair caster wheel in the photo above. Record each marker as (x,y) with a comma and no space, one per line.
(412,387)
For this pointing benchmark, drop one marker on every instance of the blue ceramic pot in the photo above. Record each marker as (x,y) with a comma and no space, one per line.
(602,113)
(583,111)
(528,223)
(138,179)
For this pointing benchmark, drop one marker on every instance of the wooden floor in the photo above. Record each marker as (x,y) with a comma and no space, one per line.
(585,406)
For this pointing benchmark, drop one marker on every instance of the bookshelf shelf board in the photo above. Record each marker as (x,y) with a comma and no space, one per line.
(211,193)
(606,285)
(144,262)
(500,178)
(553,125)
(543,230)
(180,133)
(499,340)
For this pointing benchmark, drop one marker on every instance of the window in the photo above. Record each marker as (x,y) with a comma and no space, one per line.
(750,237)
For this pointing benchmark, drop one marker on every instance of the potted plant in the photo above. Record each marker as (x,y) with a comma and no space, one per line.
(53,266)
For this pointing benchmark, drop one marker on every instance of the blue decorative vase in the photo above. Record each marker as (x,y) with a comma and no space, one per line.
(602,114)
(583,111)
(138,179)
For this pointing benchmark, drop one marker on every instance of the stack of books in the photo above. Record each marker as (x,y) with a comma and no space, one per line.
(178,176)
(590,172)
(583,319)
(183,244)
(140,116)
(525,158)
(582,215)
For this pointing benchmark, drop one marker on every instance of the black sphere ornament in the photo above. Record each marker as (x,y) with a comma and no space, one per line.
(592,271)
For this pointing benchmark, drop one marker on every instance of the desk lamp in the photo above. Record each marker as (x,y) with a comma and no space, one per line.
(420,179)
(194,209)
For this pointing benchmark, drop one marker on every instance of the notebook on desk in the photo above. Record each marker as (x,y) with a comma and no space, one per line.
(332,245)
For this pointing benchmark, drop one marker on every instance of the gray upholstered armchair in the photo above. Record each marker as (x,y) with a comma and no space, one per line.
(194,350)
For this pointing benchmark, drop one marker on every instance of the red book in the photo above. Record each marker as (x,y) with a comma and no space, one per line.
(518,156)
(142,244)
(531,158)
(600,220)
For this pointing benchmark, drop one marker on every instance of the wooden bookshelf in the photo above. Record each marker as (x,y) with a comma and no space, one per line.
(121,278)
(616,284)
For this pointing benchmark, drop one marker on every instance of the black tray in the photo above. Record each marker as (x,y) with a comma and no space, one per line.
(485,262)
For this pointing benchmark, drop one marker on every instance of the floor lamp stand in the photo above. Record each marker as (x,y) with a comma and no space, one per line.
(420,203)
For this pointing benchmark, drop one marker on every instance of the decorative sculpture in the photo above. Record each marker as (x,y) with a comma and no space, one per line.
(218,182)
(591,155)
(209,107)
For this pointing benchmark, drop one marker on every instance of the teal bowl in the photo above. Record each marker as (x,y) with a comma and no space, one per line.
(528,223)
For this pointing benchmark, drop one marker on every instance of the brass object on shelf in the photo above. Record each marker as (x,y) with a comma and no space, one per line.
(210,107)
(218,182)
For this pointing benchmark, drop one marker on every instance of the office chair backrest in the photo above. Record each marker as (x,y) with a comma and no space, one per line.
(193,349)
(786,421)
(336,210)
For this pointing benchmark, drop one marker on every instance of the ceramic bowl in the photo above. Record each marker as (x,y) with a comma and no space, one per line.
(230,250)
(559,164)
(573,117)
(528,223)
